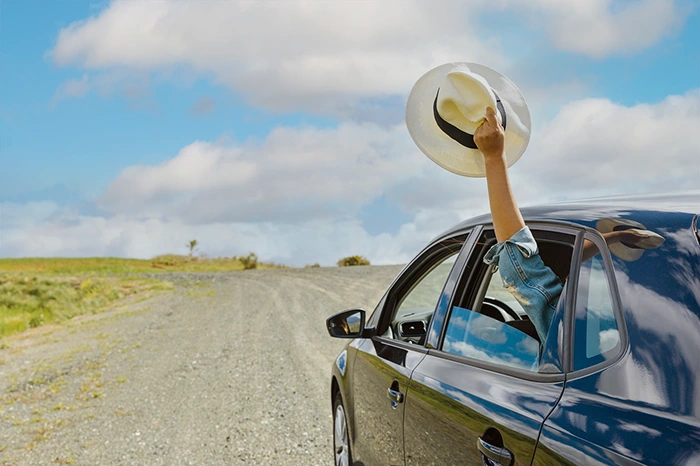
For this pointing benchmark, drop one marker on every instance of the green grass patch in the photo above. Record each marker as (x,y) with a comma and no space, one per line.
(112,265)
(28,301)
(38,291)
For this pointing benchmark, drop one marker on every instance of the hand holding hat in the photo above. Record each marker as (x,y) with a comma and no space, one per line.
(633,239)
(489,137)
(643,239)
(449,103)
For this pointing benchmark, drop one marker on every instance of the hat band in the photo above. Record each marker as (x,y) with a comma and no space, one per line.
(465,139)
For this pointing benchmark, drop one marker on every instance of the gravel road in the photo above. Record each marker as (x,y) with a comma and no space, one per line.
(228,368)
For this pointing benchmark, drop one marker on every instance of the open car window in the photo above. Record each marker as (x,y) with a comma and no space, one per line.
(490,320)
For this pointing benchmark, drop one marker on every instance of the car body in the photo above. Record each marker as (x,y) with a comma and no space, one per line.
(441,374)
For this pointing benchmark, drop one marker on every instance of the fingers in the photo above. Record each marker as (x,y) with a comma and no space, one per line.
(633,236)
(491,117)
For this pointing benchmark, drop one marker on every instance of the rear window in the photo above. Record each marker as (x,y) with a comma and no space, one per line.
(596,332)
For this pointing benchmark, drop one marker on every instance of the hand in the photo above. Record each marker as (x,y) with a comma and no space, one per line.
(631,236)
(490,137)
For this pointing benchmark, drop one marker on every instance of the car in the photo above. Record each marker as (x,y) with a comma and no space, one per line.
(449,370)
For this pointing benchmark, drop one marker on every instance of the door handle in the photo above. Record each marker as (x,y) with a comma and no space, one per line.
(395,396)
(500,455)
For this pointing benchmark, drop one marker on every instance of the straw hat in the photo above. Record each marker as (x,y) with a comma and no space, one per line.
(625,251)
(449,103)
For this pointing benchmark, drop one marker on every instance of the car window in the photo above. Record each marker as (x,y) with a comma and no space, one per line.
(596,333)
(478,336)
(489,322)
(507,304)
(417,297)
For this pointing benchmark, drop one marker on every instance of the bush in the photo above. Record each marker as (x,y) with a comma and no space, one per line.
(171,260)
(249,262)
(312,266)
(352,260)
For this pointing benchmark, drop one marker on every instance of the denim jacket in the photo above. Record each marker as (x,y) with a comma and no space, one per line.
(527,278)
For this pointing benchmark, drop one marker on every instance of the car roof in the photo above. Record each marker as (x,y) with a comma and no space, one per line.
(647,209)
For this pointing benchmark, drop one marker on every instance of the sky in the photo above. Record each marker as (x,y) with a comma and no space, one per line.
(128,128)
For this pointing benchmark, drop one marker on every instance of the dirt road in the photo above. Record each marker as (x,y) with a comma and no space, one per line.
(226,369)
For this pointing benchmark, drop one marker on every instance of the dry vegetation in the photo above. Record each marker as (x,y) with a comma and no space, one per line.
(352,260)
(30,300)
(38,291)
(111,265)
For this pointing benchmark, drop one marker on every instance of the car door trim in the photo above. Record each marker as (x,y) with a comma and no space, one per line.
(501,369)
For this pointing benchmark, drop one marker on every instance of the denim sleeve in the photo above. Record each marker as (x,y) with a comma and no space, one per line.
(525,276)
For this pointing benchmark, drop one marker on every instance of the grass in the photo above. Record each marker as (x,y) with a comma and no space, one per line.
(112,265)
(31,300)
(38,291)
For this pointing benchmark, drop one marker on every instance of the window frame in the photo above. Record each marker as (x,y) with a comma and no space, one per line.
(405,281)
(609,270)
(574,230)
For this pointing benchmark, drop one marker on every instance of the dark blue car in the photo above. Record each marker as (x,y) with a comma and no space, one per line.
(449,370)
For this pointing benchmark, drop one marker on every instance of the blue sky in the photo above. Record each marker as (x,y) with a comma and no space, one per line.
(128,128)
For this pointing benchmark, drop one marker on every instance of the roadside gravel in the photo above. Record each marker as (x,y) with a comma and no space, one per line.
(228,368)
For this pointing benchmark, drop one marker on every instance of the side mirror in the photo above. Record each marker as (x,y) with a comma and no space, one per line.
(346,324)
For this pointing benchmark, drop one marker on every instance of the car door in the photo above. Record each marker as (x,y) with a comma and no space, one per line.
(485,387)
(383,363)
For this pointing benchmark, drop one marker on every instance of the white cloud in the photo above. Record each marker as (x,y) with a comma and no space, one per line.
(282,55)
(204,106)
(596,147)
(294,197)
(22,214)
(294,174)
(341,56)
(73,235)
(72,88)
(600,28)
(133,86)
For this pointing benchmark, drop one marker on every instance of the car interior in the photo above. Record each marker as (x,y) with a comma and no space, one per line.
(491,299)
(494,301)
(415,308)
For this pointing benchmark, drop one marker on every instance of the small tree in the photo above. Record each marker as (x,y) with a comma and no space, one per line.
(352,260)
(192,245)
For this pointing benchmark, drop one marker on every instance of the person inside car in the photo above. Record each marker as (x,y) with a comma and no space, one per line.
(534,285)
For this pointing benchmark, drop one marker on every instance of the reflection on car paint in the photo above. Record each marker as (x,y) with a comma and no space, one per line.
(645,407)
(477,336)
(448,409)
(341,361)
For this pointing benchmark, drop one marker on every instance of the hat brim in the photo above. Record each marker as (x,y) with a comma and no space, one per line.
(445,151)
(650,240)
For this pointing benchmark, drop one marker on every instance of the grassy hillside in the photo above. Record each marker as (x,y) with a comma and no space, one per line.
(28,301)
(38,291)
(111,265)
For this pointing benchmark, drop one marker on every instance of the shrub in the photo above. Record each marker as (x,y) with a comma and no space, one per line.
(249,262)
(171,260)
(312,266)
(352,260)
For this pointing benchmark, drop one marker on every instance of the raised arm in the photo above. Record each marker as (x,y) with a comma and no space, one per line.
(489,138)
